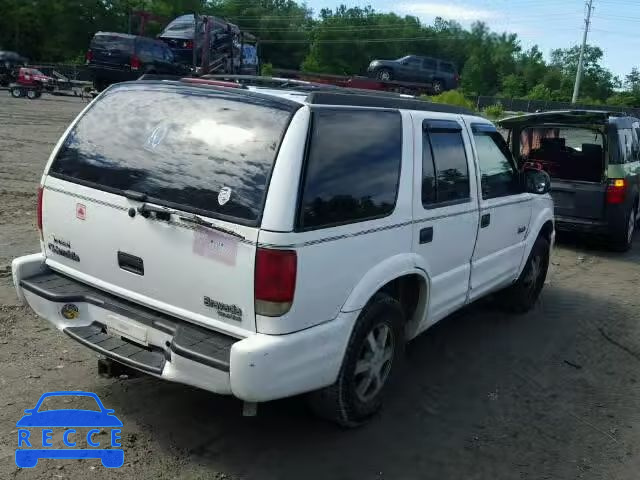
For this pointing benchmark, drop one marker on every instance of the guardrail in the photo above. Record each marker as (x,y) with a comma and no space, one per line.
(529,106)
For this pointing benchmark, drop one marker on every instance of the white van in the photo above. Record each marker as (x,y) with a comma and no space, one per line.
(265,243)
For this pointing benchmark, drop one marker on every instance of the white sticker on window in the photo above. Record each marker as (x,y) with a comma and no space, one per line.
(224,195)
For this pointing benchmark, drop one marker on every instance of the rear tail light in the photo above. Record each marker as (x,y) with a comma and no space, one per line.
(188,44)
(89,56)
(616,191)
(275,281)
(135,63)
(39,211)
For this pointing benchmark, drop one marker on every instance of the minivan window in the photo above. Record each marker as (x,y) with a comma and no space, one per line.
(208,152)
(445,177)
(446,67)
(352,167)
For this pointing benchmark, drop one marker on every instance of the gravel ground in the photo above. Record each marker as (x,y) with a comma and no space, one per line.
(553,394)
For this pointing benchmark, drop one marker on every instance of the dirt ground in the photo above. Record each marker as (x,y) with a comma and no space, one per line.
(553,394)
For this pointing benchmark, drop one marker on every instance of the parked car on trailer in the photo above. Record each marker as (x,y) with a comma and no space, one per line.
(593,159)
(30,83)
(308,236)
(441,74)
(119,57)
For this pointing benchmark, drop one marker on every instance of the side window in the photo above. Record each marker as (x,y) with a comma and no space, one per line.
(413,62)
(429,64)
(498,175)
(145,51)
(625,139)
(445,174)
(352,167)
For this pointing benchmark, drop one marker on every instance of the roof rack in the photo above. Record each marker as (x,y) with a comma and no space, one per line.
(382,101)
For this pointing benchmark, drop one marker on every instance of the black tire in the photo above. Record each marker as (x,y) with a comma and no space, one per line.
(384,74)
(343,402)
(17,92)
(523,294)
(622,237)
(437,86)
(32,94)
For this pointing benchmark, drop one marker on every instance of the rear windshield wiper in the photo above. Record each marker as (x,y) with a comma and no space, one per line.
(162,213)
(202,222)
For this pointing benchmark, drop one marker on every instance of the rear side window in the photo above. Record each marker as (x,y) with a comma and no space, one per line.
(352,167)
(446,67)
(429,64)
(445,173)
(206,152)
(112,43)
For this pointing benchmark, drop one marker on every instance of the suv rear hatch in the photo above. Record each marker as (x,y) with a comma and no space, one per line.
(571,147)
(157,192)
(112,50)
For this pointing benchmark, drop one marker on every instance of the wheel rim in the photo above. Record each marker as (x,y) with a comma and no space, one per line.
(632,226)
(531,278)
(384,75)
(437,87)
(31,94)
(15,92)
(374,362)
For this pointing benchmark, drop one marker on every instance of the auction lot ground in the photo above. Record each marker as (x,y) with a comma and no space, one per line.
(553,394)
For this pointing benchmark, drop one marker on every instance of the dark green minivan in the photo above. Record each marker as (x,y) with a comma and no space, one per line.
(593,159)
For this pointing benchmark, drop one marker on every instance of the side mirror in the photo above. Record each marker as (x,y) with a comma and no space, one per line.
(537,181)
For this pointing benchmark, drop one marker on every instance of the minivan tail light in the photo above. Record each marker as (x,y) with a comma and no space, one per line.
(135,63)
(89,56)
(275,281)
(616,191)
(39,211)
(188,44)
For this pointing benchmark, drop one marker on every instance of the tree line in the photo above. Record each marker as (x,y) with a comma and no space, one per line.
(340,41)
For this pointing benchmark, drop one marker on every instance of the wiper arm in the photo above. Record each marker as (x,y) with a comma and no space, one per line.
(202,222)
(162,213)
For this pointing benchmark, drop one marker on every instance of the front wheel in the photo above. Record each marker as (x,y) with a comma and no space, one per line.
(374,350)
(523,294)
(32,94)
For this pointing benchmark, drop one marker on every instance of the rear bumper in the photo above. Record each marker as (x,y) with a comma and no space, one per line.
(615,218)
(257,368)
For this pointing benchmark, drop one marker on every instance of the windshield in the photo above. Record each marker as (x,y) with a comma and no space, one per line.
(204,151)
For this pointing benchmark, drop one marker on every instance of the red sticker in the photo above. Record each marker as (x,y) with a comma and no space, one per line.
(81,211)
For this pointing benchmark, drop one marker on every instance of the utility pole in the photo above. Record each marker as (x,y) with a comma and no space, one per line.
(587,22)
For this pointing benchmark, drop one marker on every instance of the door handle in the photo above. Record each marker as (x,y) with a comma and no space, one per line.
(130,263)
(426,235)
(485,220)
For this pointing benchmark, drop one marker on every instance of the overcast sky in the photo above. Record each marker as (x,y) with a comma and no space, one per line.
(548,23)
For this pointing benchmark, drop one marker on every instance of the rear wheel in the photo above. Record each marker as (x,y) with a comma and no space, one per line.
(437,86)
(622,238)
(522,295)
(374,350)
(385,75)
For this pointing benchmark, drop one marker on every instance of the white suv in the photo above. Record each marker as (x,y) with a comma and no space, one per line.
(265,243)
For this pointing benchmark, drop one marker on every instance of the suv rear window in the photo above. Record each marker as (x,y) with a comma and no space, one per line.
(112,42)
(182,146)
(352,168)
